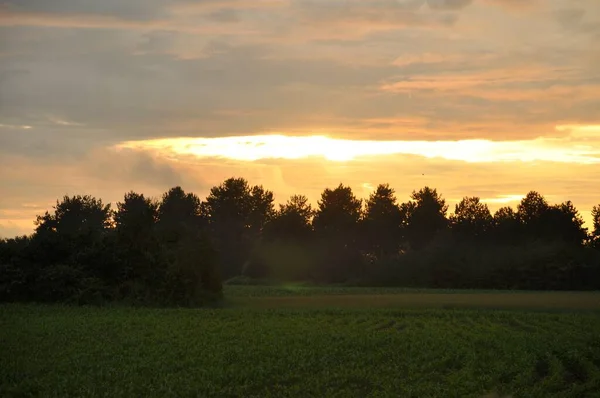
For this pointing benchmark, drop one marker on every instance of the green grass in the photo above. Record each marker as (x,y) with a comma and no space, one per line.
(313,348)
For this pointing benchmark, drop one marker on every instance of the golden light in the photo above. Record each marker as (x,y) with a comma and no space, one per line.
(280,146)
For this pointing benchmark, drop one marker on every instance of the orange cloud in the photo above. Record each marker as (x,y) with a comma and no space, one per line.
(508,84)
(508,75)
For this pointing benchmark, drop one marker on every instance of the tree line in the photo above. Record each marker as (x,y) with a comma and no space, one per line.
(177,250)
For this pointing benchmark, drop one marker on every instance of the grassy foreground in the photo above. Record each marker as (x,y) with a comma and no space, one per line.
(304,351)
(305,297)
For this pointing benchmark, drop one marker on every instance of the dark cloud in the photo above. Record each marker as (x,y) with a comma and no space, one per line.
(448,4)
(133,167)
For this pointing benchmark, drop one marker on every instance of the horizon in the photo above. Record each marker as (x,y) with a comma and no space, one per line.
(487,98)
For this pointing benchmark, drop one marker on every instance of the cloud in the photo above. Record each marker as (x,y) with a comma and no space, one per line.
(448,4)
(567,149)
(132,9)
(79,77)
(569,16)
(516,5)
(37,182)
(516,84)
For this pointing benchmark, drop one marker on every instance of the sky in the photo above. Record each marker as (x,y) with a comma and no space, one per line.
(488,98)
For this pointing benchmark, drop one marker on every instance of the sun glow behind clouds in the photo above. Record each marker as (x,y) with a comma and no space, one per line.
(278,146)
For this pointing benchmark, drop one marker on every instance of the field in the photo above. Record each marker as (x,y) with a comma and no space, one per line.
(310,342)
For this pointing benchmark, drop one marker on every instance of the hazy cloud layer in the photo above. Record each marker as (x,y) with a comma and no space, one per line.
(78,77)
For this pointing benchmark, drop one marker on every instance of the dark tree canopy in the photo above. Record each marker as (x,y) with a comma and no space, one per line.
(563,222)
(471,218)
(532,207)
(292,221)
(237,205)
(339,210)
(506,226)
(427,217)
(336,225)
(596,220)
(136,215)
(595,236)
(383,221)
(539,220)
(179,209)
(176,250)
(237,214)
(76,216)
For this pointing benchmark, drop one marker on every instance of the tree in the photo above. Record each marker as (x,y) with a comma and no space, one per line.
(137,244)
(563,222)
(336,225)
(178,213)
(236,215)
(532,207)
(284,252)
(66,256)
(595,235)
(292,222)
(531,212)
(506,226)
(187,256)
(76,216)
(596,220)
(471,218)
(136,215)
(558,222)
(383,222)
(338,214)
(427,217)
(75,226)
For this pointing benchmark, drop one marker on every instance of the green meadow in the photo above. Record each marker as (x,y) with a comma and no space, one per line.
(299,341)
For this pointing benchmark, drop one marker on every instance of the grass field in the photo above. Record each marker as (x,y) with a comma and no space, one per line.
(305,297)
(318,343)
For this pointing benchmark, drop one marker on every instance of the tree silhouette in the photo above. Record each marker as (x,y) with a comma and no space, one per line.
(472,218)
(382,222)
(336,223)
(174,251)
(596,220)
(178,213)
(338,213)
(563,222)
(137,243)
(595,234)
(292,221)
(558,222)
(285,251)
(532,211)
(190,260)
(506,226)
(532,207)
(237,214)
(77,223)
(426,218)
(136,215)
(76,216)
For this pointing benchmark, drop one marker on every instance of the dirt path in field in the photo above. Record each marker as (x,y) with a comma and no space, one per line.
(504,300)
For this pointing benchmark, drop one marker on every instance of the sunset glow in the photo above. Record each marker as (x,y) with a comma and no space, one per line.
(277,146)
(486,98)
